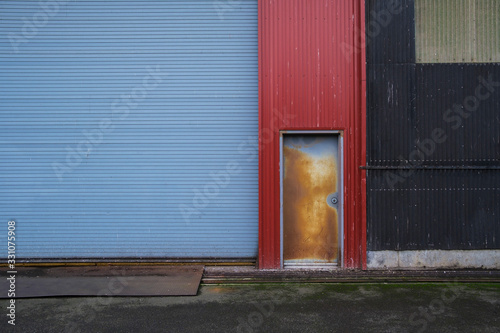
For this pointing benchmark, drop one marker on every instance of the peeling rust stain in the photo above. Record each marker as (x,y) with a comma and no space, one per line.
(310,225)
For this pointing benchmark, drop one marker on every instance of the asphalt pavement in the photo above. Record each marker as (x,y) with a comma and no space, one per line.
(272,307)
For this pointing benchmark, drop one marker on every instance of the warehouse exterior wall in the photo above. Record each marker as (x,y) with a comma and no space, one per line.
(311,57)
(417,114)
(433,148)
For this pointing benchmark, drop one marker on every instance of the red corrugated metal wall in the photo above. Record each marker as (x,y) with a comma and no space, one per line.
(312,77)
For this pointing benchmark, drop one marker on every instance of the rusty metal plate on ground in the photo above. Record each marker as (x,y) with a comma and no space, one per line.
(104,281)
(310,199)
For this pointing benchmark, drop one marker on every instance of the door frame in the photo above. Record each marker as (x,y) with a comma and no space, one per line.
(340,213)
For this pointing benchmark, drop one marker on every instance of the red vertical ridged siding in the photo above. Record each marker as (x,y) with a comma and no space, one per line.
(307,81)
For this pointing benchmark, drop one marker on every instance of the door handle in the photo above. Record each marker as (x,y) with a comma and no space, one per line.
(333,200)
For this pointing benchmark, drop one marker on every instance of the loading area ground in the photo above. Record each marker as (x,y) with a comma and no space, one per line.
(274,307)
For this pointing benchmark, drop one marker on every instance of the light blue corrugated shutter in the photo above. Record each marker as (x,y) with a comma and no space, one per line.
(129,128)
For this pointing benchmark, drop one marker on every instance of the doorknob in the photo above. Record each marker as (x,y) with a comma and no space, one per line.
(333,200)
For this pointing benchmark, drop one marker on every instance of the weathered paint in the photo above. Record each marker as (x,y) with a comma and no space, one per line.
(390,32)
(311,77)
(457,31)
(419,209)
(310,224)
(446,198)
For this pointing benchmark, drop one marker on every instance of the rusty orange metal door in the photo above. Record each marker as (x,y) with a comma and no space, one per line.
(311,200)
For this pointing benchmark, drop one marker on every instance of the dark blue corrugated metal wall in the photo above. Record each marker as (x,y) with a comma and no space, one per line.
(449,198)
(129,128)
